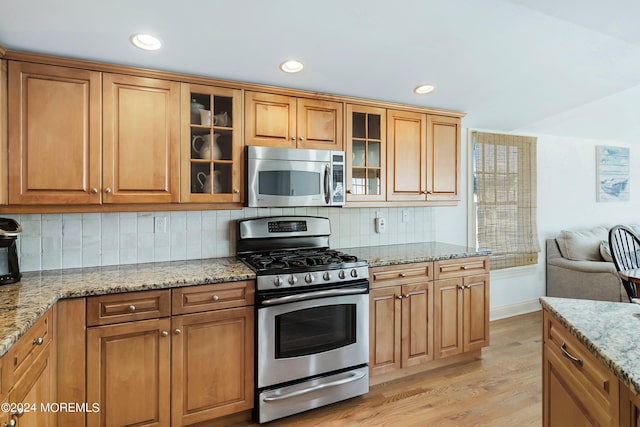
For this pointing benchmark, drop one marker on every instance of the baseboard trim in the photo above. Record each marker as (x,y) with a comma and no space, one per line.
(511,310)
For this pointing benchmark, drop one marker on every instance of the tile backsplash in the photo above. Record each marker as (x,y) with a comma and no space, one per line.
(54,241)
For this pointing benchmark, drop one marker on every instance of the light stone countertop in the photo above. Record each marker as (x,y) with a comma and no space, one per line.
(23,303)
(607,330)
(380,256)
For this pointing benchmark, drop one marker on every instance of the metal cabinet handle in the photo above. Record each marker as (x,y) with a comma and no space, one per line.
(465,267)
(94,190)
(237,191)
(302,138)
(461,287)
(177,331)
(38,341)
(566,354)
(402,275)
(131,308)
(164,333)
(348,191)
(18,413)
(11,423)
(107,190)
(399,296)
(293,137)
(216,297)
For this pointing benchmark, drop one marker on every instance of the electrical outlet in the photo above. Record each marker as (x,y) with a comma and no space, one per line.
(381,225)
(160,224)
(405,215)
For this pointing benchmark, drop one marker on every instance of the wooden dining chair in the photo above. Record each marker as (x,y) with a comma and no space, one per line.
(625,251)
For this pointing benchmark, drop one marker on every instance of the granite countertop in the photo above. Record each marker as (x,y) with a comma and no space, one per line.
(379,256)
(23,303)
(607,330)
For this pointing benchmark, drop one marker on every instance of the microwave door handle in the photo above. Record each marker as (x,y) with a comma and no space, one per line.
(327,184)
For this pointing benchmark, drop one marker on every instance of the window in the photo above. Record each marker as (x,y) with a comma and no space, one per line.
(504,198)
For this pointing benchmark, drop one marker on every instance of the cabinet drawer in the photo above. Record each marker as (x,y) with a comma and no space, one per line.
(447,268)
(192,299)
(30,345)
(595,385)
(108,309)
(404,273)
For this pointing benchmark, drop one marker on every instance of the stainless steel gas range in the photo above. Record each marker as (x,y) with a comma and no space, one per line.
(312,322)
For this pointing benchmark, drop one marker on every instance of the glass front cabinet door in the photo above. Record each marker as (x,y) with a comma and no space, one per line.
(366,153)
(211,144)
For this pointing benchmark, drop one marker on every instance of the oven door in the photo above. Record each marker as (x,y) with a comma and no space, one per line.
(300,339)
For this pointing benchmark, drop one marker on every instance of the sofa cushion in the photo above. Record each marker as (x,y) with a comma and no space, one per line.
(605,251)
(582,244)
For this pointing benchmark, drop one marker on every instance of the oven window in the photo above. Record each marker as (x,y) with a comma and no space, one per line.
(289,183)
(314,330)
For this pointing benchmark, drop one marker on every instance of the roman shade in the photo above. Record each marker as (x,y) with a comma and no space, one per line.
(505,198)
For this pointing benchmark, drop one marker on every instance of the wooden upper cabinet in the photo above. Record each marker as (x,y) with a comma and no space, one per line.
(290,122)
(443,157)
(366,152)
(211,155)
(141,142)
(3,132)
(406,155)
(54,134)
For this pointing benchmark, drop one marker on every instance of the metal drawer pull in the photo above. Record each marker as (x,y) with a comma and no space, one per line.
(399,296)
(177,331)
(164,333)
(132,308)
(353,376)
(464,267)
(18,413)
(402,275)
(566,354)
(11,423)
(38,341)
(216,297)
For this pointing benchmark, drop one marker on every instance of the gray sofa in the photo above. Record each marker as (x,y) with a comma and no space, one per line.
(576,267)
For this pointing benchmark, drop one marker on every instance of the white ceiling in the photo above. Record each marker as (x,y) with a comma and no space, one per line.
(559,67)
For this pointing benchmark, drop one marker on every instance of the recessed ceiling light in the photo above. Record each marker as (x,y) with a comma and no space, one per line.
(422,89)
(291,66)
(145,41)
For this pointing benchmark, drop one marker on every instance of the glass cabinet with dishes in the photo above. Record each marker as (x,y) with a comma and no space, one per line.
(366,153)
(211,144)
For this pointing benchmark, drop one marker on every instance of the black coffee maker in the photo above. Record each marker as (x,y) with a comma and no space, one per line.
(9,268)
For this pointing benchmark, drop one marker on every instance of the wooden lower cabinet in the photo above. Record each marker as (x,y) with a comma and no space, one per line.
(129,373)
(171,370)
(577,389)
(400,321)
(212,360)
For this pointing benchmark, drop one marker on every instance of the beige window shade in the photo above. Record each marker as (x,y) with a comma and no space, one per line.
(505,198)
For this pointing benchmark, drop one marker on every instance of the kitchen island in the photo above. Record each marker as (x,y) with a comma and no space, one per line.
(591,361)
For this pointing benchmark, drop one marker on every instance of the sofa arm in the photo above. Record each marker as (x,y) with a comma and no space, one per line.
(584,266)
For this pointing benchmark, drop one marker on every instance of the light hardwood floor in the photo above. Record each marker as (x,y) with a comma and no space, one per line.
(503,388)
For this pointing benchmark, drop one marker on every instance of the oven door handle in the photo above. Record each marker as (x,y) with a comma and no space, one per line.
(316,294)
(353,376)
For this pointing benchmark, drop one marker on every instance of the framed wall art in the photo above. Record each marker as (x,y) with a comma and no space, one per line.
(612,174)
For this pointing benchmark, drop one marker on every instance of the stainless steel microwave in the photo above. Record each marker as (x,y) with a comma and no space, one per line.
(288,177)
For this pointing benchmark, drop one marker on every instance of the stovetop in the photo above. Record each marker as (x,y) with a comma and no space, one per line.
(277,262)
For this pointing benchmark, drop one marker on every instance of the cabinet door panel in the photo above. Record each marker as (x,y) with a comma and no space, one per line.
(212,365)
(319,124)
(406,157)
(128,373)
(141,140)
(448,321)
(443,157)
(417,324)
(384,330)
(54,134)
(270,120)
(476,312)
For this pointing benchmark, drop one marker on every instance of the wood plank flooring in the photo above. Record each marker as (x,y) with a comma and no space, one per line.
(503,388)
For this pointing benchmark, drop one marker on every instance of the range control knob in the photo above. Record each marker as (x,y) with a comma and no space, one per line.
(326,276)
(354,272)
(278,281)
(309,278)
(341,274)
(292,280)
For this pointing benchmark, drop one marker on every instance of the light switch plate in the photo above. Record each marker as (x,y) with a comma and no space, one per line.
(160,224)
